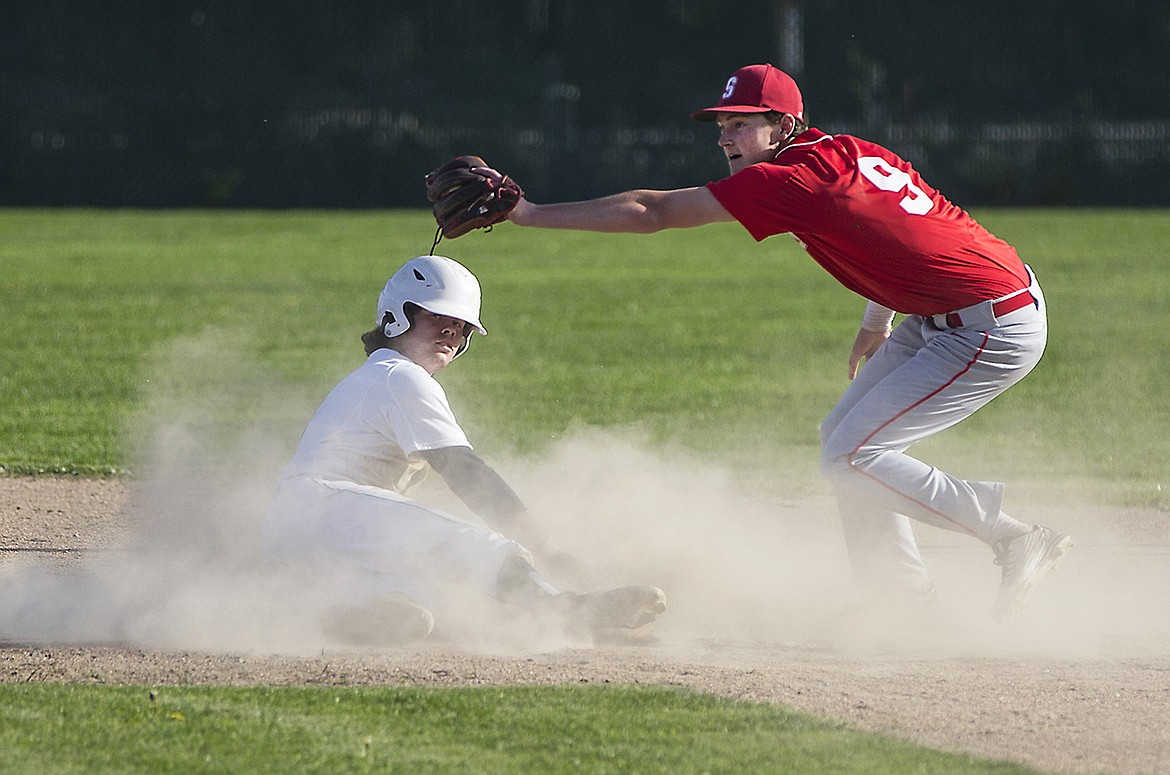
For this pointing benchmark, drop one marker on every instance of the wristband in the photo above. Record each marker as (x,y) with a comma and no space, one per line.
(877,318)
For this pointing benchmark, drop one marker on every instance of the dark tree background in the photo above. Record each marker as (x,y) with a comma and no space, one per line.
(306,103)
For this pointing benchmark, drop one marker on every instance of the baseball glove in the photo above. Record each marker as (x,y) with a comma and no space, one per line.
(468,194)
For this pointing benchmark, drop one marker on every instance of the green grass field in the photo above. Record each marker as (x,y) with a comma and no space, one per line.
(620,729)
(701,339)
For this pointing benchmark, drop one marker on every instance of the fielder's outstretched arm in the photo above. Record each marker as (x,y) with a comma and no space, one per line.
(635,212)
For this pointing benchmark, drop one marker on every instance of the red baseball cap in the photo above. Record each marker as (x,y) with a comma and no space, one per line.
(757,89)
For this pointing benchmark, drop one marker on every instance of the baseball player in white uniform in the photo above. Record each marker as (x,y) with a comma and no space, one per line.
(341,510)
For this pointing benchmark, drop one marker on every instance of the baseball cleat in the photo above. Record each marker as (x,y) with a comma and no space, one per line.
(388,621)
(625,608)
(1026,560)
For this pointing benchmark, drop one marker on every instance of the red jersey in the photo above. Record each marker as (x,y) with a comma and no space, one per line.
(869,219)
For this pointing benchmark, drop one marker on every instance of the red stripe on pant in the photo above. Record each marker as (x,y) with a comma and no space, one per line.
(887,423)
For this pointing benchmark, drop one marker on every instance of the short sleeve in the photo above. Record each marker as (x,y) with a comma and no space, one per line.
(765,198)
(417,412)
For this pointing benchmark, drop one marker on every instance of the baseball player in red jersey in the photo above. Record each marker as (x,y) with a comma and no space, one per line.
(974,321)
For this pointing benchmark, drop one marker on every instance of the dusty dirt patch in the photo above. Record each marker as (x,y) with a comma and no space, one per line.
(1101,711)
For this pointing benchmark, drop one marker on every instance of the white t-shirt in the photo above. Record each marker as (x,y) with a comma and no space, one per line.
(372,421)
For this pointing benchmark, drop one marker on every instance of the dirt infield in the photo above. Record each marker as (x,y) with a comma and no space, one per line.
(1082,687)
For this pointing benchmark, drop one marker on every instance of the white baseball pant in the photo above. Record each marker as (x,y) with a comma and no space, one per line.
(928,376)
(361,542)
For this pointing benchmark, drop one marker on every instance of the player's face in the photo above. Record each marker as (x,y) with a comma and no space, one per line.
(747,139)
(432,340)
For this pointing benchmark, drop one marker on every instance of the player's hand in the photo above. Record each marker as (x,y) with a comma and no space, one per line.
(560,564)
(565,569)
(866,344)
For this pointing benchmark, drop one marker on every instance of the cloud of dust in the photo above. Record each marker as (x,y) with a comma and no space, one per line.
(733,566)
(738,567)
(741,566)
(187,573)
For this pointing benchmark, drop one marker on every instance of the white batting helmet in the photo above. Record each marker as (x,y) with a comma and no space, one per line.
(437,284)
